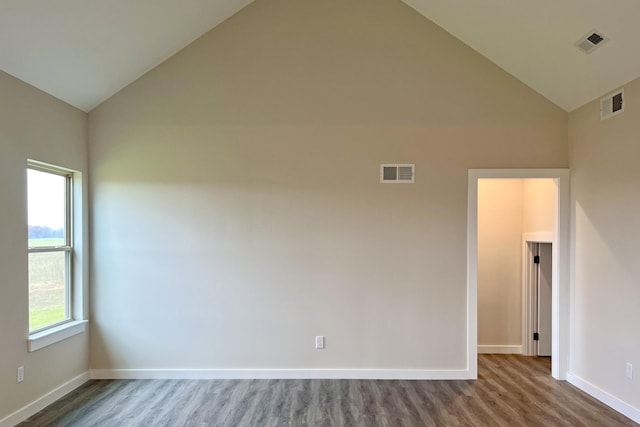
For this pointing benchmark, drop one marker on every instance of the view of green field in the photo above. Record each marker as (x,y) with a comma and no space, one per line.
(49,241)
(47,215)
(46,285)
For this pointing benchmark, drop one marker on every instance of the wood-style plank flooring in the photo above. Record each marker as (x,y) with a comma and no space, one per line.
(510,391)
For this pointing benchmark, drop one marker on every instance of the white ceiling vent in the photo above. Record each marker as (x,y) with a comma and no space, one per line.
(612,104)
(590,41)
(397,173)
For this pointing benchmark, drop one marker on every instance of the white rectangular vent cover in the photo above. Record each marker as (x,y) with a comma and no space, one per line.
(397,173)
(612,104)
(590,41)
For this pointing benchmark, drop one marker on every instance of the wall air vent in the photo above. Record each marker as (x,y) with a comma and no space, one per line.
(612,104)
(590,41)
(397,173)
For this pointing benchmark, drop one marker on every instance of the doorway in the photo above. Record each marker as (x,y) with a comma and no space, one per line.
(559,265)
(513,308)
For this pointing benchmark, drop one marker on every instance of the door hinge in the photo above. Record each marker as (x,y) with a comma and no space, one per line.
(536,259)
(536,336)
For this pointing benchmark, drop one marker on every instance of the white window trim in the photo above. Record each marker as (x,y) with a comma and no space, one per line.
(56,334)
(77,324)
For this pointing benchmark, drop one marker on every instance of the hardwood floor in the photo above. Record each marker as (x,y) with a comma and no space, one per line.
(510,391)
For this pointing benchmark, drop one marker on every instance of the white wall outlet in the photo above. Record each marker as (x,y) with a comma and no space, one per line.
(320,341)
(629,371)
(21,374)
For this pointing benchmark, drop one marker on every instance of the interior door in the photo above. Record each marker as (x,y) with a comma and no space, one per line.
(544,300)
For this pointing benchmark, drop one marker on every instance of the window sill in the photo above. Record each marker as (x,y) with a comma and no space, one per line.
(51,336)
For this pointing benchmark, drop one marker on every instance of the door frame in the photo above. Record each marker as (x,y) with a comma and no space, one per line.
(528,290)
(560,267)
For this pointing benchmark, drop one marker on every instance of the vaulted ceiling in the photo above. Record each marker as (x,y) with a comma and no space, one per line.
(84,51)
(534,41)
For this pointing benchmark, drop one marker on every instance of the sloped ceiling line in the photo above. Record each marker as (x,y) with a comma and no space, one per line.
(84,51)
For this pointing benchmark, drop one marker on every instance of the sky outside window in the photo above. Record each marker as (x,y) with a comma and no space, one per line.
(46,208)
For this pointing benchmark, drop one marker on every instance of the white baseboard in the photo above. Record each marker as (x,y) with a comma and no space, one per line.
(44,401)
(604,397)
(499,349)
(208,374)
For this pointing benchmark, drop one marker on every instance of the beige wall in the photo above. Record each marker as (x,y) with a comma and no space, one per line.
(237,211)
(539,207)
(605,183)
(500,216)
(32,125)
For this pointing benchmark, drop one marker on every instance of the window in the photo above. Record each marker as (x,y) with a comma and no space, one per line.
(50,242)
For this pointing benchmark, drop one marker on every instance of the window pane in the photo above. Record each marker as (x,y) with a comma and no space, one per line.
(47,288)
(47,205)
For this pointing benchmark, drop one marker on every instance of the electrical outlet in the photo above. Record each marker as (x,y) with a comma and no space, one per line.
(21,374)
(629,371)
(320,341)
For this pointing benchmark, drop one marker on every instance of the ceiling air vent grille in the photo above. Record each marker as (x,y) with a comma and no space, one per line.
(590,41)
(397,173)
(612,104)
